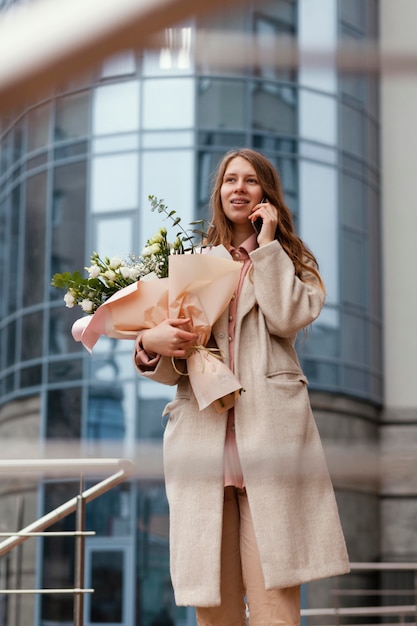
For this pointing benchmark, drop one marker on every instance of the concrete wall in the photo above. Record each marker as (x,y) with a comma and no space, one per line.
(399,175)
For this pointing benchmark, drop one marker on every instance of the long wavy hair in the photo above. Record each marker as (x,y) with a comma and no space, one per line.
(221,228)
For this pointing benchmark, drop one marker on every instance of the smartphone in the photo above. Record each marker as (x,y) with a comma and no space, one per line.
(257,224)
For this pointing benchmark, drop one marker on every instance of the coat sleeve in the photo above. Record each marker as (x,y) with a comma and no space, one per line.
(287,303)
(160,369)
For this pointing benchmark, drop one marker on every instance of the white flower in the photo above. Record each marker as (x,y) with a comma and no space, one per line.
(115,262)
(125,271)
(154,248)
(134,272)
(69,300)
(110,275)
(93,271)
(87,305)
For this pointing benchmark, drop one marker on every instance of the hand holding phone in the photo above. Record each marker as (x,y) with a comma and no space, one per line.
(257,224)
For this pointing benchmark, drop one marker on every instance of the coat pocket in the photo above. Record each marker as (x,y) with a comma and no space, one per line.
(287,376)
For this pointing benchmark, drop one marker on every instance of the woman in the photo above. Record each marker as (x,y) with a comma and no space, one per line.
(252,508)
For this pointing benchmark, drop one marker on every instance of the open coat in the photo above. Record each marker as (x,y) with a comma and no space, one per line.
(289,490)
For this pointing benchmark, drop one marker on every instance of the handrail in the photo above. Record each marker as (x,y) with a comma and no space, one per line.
(122,469)
(367,611)
(125,469)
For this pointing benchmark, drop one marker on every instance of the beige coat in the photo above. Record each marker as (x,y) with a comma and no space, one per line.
(289,490)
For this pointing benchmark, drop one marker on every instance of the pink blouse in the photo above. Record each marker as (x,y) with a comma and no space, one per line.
(232,468)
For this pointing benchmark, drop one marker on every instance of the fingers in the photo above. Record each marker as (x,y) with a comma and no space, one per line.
(269,215)
(170,338)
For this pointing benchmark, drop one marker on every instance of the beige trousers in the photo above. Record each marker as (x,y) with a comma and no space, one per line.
(241,576)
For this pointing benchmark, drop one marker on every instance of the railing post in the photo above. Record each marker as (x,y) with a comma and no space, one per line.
(79,559)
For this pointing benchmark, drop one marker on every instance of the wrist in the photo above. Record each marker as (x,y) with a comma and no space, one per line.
(146,349)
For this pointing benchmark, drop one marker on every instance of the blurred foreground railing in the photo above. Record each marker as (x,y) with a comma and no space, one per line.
(120,469)
(384,612)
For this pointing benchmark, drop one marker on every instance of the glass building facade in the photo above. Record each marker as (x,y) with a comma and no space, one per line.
(76,170)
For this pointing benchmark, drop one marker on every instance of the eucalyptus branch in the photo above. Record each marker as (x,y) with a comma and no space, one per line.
(158,205)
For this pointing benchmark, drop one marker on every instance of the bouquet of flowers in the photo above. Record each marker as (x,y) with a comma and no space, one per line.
(123,298)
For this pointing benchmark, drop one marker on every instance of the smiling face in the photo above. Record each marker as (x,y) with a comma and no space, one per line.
(240,192)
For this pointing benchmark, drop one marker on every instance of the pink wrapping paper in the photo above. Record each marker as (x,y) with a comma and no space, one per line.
(199,286)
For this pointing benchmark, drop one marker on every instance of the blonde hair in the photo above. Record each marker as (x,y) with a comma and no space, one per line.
(221,229)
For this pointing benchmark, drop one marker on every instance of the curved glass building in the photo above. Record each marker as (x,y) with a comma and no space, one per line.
(76,170)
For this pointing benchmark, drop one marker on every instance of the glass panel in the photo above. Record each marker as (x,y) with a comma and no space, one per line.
(107,580)
(70,150)
(118,143)
(318,217)
(168,175)
(37,161)
(148,423)
(38,127)
(31,376)
(373,152)
(221,103)
(11,331)
(105,419)
(175,57)
(353,86)
(14,286)
(283,11)
(72,116)
(268,31)
(32,335)
(10,383)
(34,252)
(61,320)
(110,514)
(63,413)
(223,139)
(322,374)
(3,260)
(355,380)
(114,237)
(352,202)
(353,12)
(114,181)
(322,340)
(65,370)
(354,269)
(317,31)
(111,405)
(274,107)
(120,64)
(318,152)
(375,253)
(18,139)
(68,220)
(376,346)
(318,117)
(351,129)
(166,139)
(179,92)
(288,171)
(156,596)
(6,152)
(354,340)
(116,108)
(58,557)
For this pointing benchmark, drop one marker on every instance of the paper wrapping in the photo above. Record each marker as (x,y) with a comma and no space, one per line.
(199,286)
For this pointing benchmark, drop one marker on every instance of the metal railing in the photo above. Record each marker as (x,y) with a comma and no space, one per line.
(121,469)
(378,614)
(334,614)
